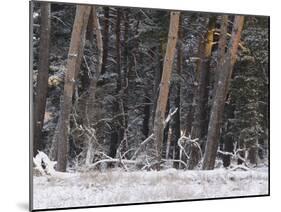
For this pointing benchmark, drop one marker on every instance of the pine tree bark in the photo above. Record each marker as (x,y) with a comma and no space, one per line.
(177,123)
(221,91)
(221,47)
(94,27)
(117,131)
(72,68)
(159,120)
(127,69)
(157,78)
(42,78)
(90,109)
(200,124)
(205,50)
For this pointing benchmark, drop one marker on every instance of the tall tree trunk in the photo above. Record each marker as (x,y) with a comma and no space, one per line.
(127,68)
(159,121)
(177,123)
(149,99)
(228,145)
(90,109)
(200,125)
(117,130)
(42,79)
(221,47)
(94,28)
(205,51)
(219,100)
(157,78)
(105,39)
(72,68)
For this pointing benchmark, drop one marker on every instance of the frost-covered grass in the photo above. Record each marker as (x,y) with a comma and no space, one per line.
(117,186)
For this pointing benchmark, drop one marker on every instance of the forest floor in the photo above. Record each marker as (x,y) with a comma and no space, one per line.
(117,187)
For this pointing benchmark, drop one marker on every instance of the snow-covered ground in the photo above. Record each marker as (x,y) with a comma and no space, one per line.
(117,186)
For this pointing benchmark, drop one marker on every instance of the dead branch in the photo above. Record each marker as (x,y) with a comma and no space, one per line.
(112,161)
(243,167)
(175,161)
(142,144)
(170,115)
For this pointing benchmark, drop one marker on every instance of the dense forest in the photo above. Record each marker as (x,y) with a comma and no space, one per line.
(149,89)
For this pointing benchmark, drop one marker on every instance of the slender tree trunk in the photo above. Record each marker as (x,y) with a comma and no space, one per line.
(127,68)
(90,109)
(219,99)
(228,141)
(145,126)
(94,27)
(190,114)
(201,120)
(72,68)
(105,39)
(157,78)
(42,78)
(169,140)
(165,85)
(253,153)
(221,47)
(149,99)
(177,123)
(117,131)
(201,110)
(228,147)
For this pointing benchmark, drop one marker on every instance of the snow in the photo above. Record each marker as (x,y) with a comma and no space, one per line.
(116,186)
(49,165)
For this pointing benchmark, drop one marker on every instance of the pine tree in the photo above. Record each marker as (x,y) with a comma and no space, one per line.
(159,120)
(42,78)
(220,96)
(73,65)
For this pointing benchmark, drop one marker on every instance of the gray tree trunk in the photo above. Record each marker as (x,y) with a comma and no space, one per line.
(165,85)
(90,109)
(219,99)
(42,78)
(73,65)
(200,122)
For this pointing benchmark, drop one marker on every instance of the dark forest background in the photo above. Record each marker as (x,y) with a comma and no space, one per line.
(105,113)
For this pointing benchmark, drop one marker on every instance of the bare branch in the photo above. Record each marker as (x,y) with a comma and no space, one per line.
(142,144)
(112,161)
(170,116)
(175,161)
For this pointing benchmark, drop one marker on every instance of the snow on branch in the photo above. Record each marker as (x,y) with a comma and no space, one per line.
(184,139)
(142,144)
(43,164)
(241,167)
(170,115)
(112,161)
(235,155)
(175,161)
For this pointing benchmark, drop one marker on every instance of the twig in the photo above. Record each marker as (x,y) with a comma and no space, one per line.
(57,18)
